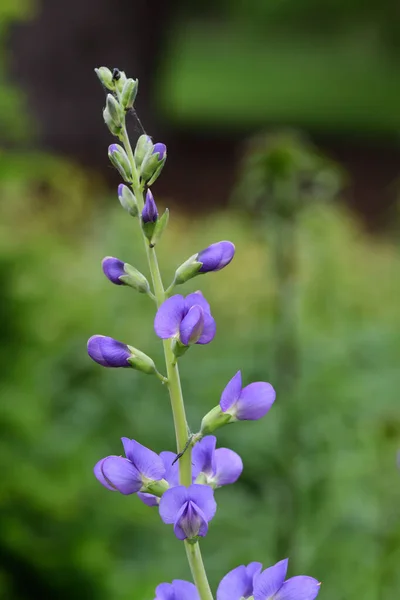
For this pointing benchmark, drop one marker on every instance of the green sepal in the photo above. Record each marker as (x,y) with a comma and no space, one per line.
(151,168)
(157,488)
(161,224)
(115,110)
(144,147)
(120,161)
(149,228)
(187,270)
(129,92)
(120,82)
(106,78)
(214,420)
(109,121)
(135,279)
(178,348)
(140,361)
(157,172)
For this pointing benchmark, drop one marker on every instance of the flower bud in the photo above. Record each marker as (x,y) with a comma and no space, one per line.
(128,93)
(144,147)
(108,352)
(153,163)
(127,200)
(120,79)
(121,273)
(114,109)
(149,215)
(120,161)
(106,77)
(216,256)
(109,121)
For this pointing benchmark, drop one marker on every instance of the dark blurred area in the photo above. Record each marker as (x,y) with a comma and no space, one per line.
(282,123)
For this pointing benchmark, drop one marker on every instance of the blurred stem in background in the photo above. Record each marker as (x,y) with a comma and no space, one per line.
(281,175)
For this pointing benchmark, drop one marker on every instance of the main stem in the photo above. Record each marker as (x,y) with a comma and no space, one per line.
(193,552)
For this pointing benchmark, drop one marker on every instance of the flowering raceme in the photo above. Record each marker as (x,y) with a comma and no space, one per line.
(180,485)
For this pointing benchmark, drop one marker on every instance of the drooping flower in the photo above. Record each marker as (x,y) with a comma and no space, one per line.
(216,256)
(171,476)
(187,319)
(188,509)
(177,590)
(108,352)
(150,212)
(246,582)
(249,403)
(131,474)
(217,467)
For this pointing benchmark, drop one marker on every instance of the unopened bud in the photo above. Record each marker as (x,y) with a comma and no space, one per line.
(153,163)
(128,94)
(121,273)
(109,121)
(149,216)
(144,147)
(127,200)
(106,77)
(120,161)
(114,108)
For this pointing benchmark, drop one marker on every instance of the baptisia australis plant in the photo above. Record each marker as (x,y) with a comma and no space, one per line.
(180,486)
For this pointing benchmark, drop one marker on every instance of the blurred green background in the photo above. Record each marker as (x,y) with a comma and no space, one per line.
(310,303)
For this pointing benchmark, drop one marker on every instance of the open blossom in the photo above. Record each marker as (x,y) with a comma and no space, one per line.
(249,403)
(216,256)
(249,582)
(129,475)
(171,476)
(187,319)
(177,590)
(219,466)
(188,509)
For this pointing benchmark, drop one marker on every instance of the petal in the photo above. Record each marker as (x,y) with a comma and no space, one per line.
(165,591)
(171,503)
(169,317)
(270,581)
(191,327)
(147,462)
(113,268)
(203,496)
(235,585)
(121,473)
(197,298)
(299,588)
(161,149)
(231,392)
(99,475)
(171,470)
(203,455)
(253,570)
(149,212)
(209,330)
(184,590)
(190,522)
(108,352)
(148,499)
(228,466)
(216,256)
(255,401)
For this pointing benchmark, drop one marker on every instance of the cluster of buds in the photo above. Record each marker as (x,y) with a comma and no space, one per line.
(184,499)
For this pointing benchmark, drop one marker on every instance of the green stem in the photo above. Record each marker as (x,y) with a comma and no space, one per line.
(174,385)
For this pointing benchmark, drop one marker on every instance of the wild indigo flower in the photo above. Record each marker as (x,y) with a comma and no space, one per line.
(122,273)
(133,473)
(177,590)
(171,476)
(160,149)
(187,319)
(153,162)
(108,352)
(150,212)
(219,466)
(245,582)
(249,403)
(113,269)
(189,509)
(216,256)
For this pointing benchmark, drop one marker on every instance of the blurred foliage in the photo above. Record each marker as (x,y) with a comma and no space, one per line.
(64,535)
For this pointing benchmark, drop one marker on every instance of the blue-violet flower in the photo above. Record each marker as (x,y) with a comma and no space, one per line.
(249,403)
(217,467)
(189,509)
(177,590)
(108,352)
(187,319)
(216,256)
(150,212)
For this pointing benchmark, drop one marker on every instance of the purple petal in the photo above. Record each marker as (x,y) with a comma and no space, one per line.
(150,212)
(171,470)
(216,256)
(148,499)
(203,455)
(231,393)
(270,581)
(197,298)
(184,590)
(161,149)
(169,317)
(235,585)
(99,475)
(147,462)
(253,570)
(121,473)
(190,522)
(255,401)
(113,268)
(299,588)
(171,503)
(203,496)
(228,466)
(165,591)
(191,327)
(209,330)
(108,352)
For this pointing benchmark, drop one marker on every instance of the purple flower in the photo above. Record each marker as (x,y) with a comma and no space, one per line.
(129,475)
(171,476)
(108,352)
(113,269)
(150,212)
(216,256)
(245,582)
(187,319)
(161,149)
(189,509)
(249,403)
(218,466)
(177,590)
